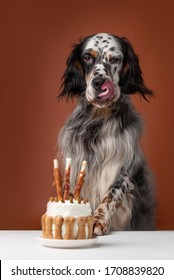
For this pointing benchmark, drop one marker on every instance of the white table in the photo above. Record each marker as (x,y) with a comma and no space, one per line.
(118,245)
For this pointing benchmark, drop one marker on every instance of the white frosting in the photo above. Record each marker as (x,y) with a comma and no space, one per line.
(68,163)
(56,164)
(84,163)
(67,208)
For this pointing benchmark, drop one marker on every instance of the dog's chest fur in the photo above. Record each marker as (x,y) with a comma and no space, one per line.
(99,141)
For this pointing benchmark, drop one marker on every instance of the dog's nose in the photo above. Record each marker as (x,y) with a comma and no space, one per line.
(98,82)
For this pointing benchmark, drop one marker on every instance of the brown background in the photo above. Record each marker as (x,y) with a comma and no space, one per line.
(35,42)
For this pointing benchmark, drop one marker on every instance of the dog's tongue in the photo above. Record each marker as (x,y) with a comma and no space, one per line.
(107,91)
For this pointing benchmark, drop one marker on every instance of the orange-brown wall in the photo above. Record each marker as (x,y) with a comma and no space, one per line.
(35,43)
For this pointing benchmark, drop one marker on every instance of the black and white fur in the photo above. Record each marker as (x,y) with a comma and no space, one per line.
(106,133)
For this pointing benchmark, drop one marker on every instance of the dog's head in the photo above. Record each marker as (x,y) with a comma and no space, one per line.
(102,67)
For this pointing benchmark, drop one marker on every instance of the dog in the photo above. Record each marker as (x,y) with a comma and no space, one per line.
(105,130)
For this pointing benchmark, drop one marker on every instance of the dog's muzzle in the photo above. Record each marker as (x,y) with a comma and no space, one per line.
(104,89)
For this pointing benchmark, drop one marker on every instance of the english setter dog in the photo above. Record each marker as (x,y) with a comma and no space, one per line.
(105,129)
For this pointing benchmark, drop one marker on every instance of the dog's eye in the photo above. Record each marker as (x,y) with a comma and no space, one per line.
(87,58)
(114,60)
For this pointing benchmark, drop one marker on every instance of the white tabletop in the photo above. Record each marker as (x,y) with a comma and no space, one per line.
(118,245)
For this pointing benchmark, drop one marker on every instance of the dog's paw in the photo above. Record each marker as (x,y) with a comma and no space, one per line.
(100,229)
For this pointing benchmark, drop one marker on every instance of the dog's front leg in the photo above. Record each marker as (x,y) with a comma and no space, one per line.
(103,215)
(118,202)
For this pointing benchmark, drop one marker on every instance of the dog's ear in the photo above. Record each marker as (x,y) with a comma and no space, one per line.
(131,80)
(73,80)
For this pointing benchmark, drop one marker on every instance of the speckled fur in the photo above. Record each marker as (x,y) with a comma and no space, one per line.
(107,133)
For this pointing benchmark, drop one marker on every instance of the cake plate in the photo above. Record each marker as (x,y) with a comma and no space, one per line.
(61,243)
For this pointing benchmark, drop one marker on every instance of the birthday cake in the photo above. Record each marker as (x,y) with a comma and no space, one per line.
(68,216)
